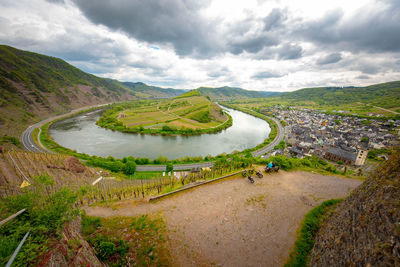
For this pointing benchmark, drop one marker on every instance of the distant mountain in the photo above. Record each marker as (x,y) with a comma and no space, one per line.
(385,95)
(34,86)
(229,93)
(147,91)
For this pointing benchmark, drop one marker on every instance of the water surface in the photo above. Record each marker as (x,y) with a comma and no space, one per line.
(82,134)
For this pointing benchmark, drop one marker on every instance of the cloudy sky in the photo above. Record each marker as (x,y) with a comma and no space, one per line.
(271,45)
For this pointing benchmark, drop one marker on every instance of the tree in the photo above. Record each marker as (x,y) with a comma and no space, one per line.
(130,167)
(169,167)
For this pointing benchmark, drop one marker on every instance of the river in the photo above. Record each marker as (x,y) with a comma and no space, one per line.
(83,135)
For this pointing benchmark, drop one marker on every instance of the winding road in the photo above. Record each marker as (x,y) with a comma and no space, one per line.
(29,144)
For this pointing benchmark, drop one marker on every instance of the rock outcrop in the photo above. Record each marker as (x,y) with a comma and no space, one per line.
(71,250)
(365,229)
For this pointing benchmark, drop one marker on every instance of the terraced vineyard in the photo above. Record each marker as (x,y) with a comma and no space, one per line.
(19,166)
(193,112)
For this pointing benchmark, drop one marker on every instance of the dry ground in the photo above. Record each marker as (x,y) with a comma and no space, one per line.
(234,222)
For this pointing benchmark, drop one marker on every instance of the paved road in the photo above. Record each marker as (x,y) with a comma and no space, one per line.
(270,146)
(30,145)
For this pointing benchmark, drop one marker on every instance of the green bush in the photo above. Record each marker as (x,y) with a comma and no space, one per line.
(46,212)
(106,249)
(130,167)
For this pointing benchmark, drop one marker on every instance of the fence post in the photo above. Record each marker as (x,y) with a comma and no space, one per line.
(10,261)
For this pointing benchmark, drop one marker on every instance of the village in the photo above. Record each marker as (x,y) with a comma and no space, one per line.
(342,139)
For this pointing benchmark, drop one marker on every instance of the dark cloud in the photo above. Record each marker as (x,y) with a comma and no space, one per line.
(330,59)
(224,71)
(363,77)
(289,51)
(266,75)
(369,69)
(370,30)
(175,22)
(245,37)
(274,19)
(251,44)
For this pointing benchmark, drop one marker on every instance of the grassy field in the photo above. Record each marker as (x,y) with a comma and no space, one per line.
(193,112)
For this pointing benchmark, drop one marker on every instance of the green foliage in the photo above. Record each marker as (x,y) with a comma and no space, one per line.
(191,93)
(202,116)
(281,145)
(143,239)
(372,154)
(106,249)
(313,220)
(307,163)
(46,212)
(10,139)
(364,139)
(169,167)
(90,224)
(130,167)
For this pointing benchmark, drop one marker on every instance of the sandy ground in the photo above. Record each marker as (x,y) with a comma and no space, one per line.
(236,223)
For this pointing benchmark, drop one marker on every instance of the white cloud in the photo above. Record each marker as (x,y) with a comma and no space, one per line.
(258,45)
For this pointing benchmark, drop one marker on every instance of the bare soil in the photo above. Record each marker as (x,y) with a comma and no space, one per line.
(234,222)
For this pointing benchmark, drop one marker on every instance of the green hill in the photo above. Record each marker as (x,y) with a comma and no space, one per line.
(188,114)
(386,95)
(230,93)
(34,86)
(148,91)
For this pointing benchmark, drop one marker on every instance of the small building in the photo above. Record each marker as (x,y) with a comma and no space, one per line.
(350,158)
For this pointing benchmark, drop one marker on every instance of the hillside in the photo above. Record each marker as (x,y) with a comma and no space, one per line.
(35,86)
(365,229)
(386,95)
(230,93)
(148,91)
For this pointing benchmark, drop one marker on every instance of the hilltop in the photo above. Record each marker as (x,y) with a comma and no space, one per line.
(148,91)
(385,95)
(230,93)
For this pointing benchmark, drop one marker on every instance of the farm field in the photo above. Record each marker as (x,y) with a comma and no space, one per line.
(192,112)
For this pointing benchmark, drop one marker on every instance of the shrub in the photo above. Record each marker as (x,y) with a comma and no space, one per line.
(106,249)
(130,167)
(46,212)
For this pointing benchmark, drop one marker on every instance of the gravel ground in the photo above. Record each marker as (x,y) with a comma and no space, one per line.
(234,222)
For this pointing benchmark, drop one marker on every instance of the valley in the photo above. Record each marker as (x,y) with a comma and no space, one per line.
(126,173)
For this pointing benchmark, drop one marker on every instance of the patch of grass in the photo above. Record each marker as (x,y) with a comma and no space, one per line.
(10,139)
(128,241)
(45,215)
(301,253)
(146,175)
(256,199)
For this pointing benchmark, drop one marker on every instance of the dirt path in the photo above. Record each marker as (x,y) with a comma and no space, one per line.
(235,223)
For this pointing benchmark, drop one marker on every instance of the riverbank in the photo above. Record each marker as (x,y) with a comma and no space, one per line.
(188,163)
